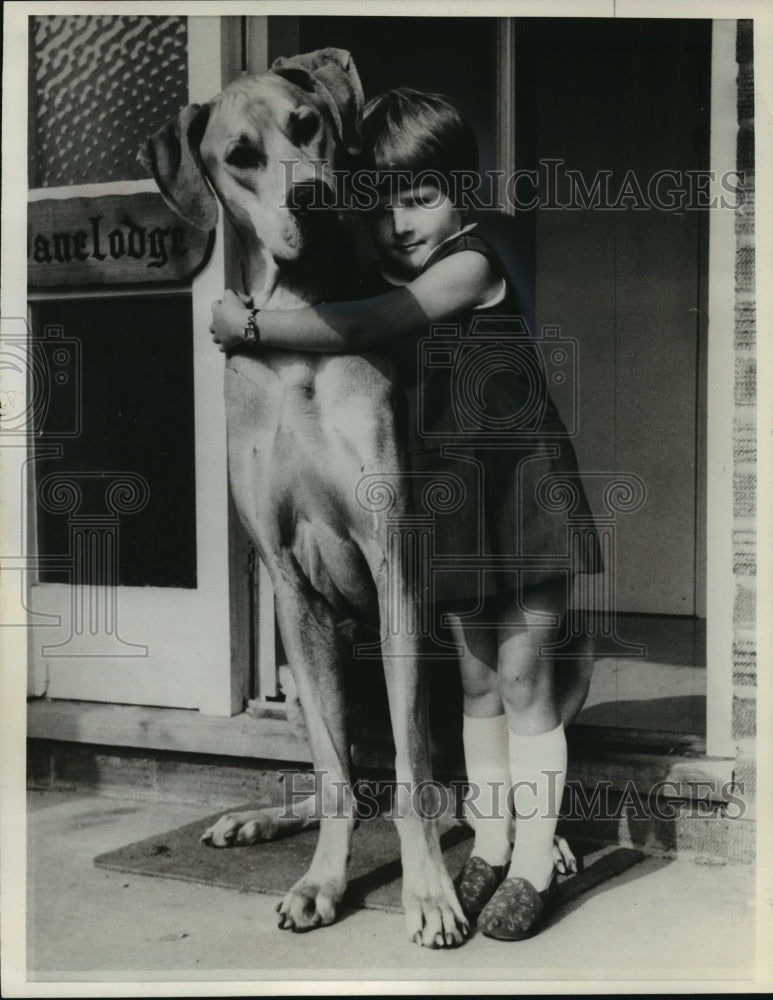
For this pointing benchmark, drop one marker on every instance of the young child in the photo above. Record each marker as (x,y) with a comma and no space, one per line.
(437,270)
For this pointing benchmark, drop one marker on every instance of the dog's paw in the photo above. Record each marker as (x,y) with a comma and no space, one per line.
(241,829)
(433,916)
(564,861)
(310,904)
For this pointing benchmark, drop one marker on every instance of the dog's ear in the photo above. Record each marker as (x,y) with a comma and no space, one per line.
(332,75)
(172,156)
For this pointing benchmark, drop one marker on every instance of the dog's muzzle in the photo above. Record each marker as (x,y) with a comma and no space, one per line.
(307,197)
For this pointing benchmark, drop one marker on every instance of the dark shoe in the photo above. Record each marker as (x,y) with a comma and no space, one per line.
(517,911)
(476,884)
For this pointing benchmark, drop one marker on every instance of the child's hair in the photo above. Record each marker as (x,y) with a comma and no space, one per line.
(405,129)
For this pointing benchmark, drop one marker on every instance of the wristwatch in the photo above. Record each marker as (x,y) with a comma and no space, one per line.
(251,334)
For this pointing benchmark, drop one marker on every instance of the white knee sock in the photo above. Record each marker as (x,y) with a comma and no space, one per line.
(488,772)
(538,775)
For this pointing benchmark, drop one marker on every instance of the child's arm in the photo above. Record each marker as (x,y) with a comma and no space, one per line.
(444,291)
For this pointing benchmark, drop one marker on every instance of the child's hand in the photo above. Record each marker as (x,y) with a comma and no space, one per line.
(229,316)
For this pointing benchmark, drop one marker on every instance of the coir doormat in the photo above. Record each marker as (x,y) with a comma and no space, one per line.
(273,867)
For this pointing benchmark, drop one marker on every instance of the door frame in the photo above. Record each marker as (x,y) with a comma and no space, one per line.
(249,45)
(719,381)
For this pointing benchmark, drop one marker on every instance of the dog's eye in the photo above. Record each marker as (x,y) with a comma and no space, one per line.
(244,157)
(303,125)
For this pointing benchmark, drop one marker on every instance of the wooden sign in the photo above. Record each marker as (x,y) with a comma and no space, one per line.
(111,240)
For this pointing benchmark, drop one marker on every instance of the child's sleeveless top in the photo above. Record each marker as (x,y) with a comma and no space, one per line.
(485,443)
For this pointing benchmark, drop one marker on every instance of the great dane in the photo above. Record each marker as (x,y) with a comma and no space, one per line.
(303,431)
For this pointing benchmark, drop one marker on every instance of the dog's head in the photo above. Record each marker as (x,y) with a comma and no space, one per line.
(266,146)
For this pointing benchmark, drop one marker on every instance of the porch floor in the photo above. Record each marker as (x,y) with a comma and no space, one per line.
(662,920)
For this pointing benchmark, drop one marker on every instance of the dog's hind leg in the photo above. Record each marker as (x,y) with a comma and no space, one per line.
(572,679)
(256,826)
(253,826)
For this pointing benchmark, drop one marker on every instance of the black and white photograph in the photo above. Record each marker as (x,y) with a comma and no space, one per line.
(384,559)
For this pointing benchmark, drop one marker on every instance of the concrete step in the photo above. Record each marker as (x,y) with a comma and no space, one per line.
(671,806)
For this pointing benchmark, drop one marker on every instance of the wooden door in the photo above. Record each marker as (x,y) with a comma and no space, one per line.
(128,597)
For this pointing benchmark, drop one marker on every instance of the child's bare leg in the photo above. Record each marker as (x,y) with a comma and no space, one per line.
(537,741)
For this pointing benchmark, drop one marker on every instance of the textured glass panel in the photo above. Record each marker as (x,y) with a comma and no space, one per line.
(100,84)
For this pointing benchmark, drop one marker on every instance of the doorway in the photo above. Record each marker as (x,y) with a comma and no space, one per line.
(625,279)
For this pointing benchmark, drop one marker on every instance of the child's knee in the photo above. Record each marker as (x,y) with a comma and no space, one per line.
(478,680)
(481,693)
(526,682)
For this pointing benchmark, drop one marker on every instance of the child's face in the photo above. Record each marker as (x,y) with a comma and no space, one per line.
(406,228)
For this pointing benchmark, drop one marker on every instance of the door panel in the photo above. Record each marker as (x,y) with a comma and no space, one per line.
(626,282)
(452,55)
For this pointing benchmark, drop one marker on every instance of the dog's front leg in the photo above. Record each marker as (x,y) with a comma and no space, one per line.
(312,644)
(433,915)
